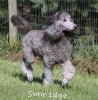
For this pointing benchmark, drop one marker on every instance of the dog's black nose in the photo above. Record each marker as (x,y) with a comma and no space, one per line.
(75,27)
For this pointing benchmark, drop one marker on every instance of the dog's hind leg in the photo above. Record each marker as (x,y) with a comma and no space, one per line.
(27,69)
(68,72)
(28,59)
(48,75)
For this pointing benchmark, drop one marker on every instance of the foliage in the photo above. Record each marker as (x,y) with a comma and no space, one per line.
(42,7)
(3,13)
(45,5)
(85,46)
(5,51)
(82,10)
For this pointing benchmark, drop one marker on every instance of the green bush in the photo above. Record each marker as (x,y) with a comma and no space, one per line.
(85,46)
(5,48)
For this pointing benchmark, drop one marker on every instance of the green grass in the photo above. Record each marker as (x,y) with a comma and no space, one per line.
(13,86)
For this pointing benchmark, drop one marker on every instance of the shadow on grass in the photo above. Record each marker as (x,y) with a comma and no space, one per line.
(38,80)
(57,82)
(20,76)
(24,78)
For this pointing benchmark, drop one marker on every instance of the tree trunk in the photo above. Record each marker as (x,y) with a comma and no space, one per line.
(12,6)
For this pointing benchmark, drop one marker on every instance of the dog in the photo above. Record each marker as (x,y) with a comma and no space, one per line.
(52,46)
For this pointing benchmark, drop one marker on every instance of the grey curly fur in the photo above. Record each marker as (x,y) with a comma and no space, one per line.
(52,46)
(21,24)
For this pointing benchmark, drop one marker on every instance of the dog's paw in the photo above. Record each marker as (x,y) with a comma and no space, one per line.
(64,82)
(30,77)
(47,82)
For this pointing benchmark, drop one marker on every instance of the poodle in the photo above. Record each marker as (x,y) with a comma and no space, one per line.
(52,46)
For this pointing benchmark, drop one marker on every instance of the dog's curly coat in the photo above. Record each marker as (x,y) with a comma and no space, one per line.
(52,46)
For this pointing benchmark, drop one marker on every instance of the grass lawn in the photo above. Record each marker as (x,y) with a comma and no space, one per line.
(13,86)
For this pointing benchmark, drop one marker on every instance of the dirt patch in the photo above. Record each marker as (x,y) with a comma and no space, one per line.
(86,64)
(11,56)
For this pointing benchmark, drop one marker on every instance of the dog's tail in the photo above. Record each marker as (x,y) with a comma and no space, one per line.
(21,23)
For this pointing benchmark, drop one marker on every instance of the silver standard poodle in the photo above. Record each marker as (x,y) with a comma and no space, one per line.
(51,45)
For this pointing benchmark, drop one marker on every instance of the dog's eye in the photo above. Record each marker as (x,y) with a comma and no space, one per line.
(64,20)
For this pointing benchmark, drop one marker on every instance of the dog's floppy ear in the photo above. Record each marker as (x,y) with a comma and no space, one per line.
(53,32)
(56,16)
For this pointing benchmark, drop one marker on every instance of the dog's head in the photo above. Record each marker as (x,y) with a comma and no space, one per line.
(63,19)
(62,24)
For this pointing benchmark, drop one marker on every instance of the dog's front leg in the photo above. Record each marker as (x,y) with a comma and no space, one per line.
(48,75)
(68,72)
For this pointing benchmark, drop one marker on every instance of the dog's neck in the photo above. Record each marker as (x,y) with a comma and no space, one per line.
(51,41)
